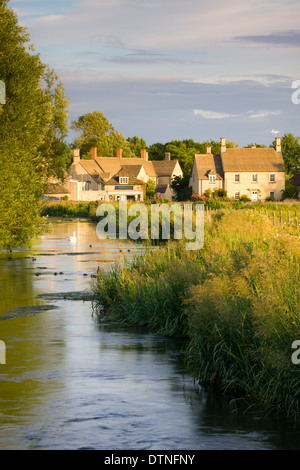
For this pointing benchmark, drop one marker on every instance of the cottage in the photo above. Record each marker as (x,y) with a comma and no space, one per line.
(104,178)
(255,172)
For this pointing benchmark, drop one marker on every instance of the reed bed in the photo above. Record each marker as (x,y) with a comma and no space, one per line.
(235,302)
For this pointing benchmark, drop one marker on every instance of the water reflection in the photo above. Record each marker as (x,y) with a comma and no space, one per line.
(71,382)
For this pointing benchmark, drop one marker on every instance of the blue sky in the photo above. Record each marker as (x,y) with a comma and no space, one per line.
(173,69)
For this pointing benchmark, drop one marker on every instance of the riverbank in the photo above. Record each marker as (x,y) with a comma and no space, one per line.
(235,302)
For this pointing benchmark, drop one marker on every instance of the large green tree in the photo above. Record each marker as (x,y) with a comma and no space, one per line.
(290,147)
(29,123)
(95,130)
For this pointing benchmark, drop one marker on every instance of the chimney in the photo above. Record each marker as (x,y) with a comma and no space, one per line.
(208,149)
(119,153)
(278,144)
(253,146)
(144,154)
(223,144)
(94,153)
(167,156)
(76,156)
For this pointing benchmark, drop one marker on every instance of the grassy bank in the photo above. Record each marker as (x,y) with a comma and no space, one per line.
(236,303)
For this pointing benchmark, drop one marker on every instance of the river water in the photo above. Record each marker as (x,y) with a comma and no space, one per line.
(70,382)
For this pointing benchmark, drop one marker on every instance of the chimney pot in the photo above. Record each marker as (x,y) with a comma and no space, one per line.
(208,149)
(223,144)
(94,153)
(76,155)
(167,156)
(119,153)
(278,144)
(144,154)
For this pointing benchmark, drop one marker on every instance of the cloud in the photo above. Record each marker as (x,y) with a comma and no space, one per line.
(262,114)
(213,114)
(282,38)
(206,114)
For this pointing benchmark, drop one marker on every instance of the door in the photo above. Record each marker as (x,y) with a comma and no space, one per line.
(254,196)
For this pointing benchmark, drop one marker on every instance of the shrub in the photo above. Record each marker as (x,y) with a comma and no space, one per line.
(245,198)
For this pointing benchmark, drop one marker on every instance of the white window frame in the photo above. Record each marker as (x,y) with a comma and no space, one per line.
(212,178)
(272,194)
(123,180)
(239,178)
(271,176)
(237,195)
(254,178)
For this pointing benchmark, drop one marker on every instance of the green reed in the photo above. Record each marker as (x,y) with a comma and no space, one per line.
(236,302)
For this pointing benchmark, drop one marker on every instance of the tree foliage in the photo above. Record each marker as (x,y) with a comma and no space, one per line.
(181,187)
(32,127)
(95,130)
(290,147)
(184,151)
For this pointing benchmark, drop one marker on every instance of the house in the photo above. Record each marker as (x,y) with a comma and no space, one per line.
(255,172)
(115,178)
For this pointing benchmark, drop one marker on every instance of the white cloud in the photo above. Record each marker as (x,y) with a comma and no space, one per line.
(213,114)
(262,114)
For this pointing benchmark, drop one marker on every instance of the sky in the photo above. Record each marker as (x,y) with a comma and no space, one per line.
(174,69)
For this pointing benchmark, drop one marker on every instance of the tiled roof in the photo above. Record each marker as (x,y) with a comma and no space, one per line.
(252,159)
(208,164)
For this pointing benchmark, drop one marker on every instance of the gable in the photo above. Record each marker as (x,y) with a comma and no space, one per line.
(208,164)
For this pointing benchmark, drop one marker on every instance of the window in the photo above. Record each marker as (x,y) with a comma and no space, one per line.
(123,179)
(272,177)
(212,178)
(193,178)
(237,178)
(236,195)
(272,194)
(254,178)
(87,186)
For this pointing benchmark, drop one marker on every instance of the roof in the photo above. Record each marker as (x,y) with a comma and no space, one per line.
(252,159)
(56,188)
(161,188)
(208,164)
(91,168)
(105,168)
(124,172)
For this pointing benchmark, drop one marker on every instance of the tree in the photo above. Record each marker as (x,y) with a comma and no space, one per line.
(150,188)
(25,120)
(290,147)
(181,187)
(95,130)
(137,144)
(55,151)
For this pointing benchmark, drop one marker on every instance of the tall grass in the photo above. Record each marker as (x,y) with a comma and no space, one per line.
(236,302)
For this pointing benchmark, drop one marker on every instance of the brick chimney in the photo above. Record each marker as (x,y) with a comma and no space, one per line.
(94,153)
(278,144)
(223,145)
(167,156)
(208,149)
(119,153)
(144,154)
(76,155)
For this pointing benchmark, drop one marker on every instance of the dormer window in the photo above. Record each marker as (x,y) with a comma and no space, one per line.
(212,178)
(123,179)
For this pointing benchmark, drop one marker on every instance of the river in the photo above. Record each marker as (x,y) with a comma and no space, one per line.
(71,382)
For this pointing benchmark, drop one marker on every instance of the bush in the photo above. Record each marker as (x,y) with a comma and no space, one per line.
(245,198)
